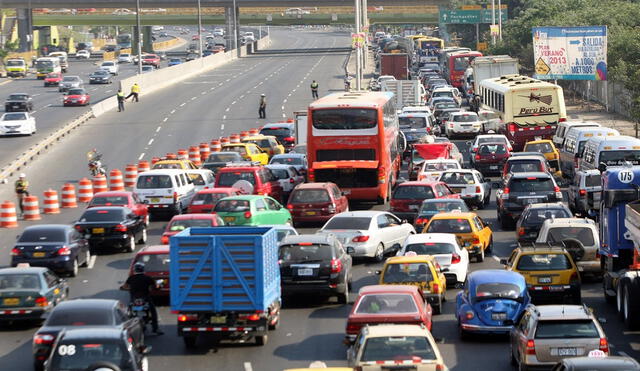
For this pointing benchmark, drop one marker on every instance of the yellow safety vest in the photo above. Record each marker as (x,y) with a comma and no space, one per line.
(135,88)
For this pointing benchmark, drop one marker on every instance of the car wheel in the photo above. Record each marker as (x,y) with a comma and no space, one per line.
(74,269)
(143,238)
(631,306)
(131,245)
(462,333)
(480,256)
(437,308)
(87,258)
(379,254)
(190,341)
(343,298)
(490,247)
(620,298)
(262,340)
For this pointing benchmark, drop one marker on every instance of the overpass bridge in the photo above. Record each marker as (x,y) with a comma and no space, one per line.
(205,3)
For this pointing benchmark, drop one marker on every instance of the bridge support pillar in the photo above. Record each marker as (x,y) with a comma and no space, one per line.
(147,41)
(233,26)
(25,29)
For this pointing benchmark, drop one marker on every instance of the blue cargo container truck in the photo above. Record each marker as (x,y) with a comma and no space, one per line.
(225,282)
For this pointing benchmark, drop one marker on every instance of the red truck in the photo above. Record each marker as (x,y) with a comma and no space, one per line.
(395,64)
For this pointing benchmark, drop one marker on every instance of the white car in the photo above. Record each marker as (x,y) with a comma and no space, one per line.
(489,120)
(202,178)
(417,109)
(453,259)
(123,11)
(432,169)
(17,123)
(450,92)
(249,37)
(369,234)
(287,176)
(296,11)
(462,123)
(488,138)
(110,66)
(83,54)
(473,188)
(125,58)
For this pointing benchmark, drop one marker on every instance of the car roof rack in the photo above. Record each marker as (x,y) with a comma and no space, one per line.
(242,164)
(540,246)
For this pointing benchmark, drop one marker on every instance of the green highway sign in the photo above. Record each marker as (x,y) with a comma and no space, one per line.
(485,15)
(469,16)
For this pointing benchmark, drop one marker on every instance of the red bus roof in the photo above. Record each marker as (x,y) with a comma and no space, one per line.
(353,99)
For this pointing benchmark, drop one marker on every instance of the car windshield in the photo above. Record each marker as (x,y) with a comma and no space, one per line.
(538,216)
(13,63)
(309,196)
(531,185)
(457,178)
(497,290)
(207,198)
(71,79)
(43,235)
(413,122)
(449,226)
(224,157)
(593,181)
(231,206)
(492,149)
(229,178)
(277,132)
(344,119)
(76,356)
(304,253)
(582,234)
(92,215)
(538,147)
(108,64)
(386,304)
(9,282)
(431,248)
(440,166)
(442,94)
(619,158)
(102,72)
(14,116)
(287,160)
(347,222)
(242,150)
(466,117)
(524,166)
(154,262)
(81,317)
(18,97)
(543,262)
(443,206)
(394,348)
(154,181)
(197,179)
(407,272)
(413,193)
(280,173)
(76,92)
(580,328)
(109,201)
(182,224)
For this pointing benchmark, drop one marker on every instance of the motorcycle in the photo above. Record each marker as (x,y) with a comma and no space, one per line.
(95,163)
(140,308)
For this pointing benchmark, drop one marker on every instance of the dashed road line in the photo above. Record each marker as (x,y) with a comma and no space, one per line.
(165,119)
(141,156)
(92,261)
(234,102)
(224,117)
(150,141)
(227,110)
(172,112)
(222,127)
(182,105)
(194,98)
(158,129)
(496,258)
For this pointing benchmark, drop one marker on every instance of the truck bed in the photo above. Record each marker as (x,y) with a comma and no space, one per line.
(632,221)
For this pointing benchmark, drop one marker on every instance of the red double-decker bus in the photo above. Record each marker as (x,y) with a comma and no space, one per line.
(456,65)
(353,140)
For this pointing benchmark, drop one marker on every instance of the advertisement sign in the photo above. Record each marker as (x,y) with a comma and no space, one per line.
(357,39)
(570,53)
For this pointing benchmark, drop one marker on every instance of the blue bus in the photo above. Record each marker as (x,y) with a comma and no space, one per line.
(124,41)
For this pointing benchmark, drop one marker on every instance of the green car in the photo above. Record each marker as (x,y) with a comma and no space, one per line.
(252,210)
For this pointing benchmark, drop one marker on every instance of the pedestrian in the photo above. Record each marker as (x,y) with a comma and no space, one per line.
(314,90)
(22,190)
(262,110)
(121,99)
(135,90)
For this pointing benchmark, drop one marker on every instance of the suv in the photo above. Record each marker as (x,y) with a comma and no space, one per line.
(570,229)
(490,158)
(546,334)
(584,193)
(330,273)
(470,185)
(534,215)
(316,202)
(522,189)
(525,162)
(550,272)
(462,123)
(262,180)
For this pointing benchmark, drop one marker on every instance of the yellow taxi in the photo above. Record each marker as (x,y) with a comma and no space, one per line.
(471,231)
(267,143)
(550,152)
(550,271)
(175,164)
(248,151)
(418,270)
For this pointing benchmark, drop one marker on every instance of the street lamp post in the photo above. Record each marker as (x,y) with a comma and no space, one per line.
(199,31)
(358,48)
(235,26)
(139,37)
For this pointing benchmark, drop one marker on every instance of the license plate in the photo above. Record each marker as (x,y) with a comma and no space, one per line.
(498,316)
(567,352)
(229,218)
(137,308)
(11,301)
(310,213)
(74,101)
(413,207)
(97,230)
(544,279)
(493,167)
(155,200)
(218,319)
(38,255)
(305,272)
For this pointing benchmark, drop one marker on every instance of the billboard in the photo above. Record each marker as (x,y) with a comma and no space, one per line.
(570,53)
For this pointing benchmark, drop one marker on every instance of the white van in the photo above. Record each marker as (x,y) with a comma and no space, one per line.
(563,129)
(202,178)
(165,190)
(601,152)
(574,143)
(64,60)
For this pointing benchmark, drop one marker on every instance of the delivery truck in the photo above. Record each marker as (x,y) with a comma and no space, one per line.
(395,64)
(406,92)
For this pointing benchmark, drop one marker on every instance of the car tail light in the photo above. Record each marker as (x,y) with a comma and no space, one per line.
(476,241)
(469,315)
(164,240)
(455,259)
(478,190)
(290,206)
(521,231)
(250,317)
(422,220)
(558,192)
(353,328)
(583,192)
(289,139)
(64,250)
(505,193)
(531,347)
(440,367)
(175,196)
(336,266)
(436,287)
(42,301)
(477,157)
(120,228)
(604,345)
(574,277)
(16,252)
(187,317)
(382,175)
(43,339)
(562,119)
(311,175)
(247,214)
(360,239)
(79,228)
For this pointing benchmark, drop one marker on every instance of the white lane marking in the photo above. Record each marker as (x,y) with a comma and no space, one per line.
(288,95)
(158,129)
(92,261)
(283,108)
(242,96)
(172,112)
(108,91)
(234,102)
(33,112)
(141,156)
(49,105)
(495,258)
(222,127)
(194,98)
(35,95)
(203,93)
(224,117)
(165,119)
(220,84)
(182,105)
(150,141)
(283,115)
(284,101)
(212,88)
(227,110)
(247,366)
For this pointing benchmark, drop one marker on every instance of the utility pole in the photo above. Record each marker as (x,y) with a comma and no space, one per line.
(235,26)
(358,48)
(199,31)
(139,37)
(500,20)
(493,21)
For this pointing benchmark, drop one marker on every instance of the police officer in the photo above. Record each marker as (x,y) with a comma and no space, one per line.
(139,286)
(314,90)
(262,109)
(22,190)
(135,90)
(121,99)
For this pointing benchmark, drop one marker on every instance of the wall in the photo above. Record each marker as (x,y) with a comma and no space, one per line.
(619,98)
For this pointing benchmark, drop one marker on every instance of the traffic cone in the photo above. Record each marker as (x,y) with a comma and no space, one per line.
(215,145)
(85,190)
(100,184)
(51,203)
(31,209)
(69,200)
(205,151)
(194,155)
(8,216)
(154,160)
(116,183)
(130,176)
(144,166)
(183,154)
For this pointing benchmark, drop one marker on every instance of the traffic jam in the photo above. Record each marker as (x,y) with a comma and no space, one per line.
(392,177)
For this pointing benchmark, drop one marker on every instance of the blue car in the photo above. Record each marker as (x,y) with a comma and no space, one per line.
(492,300)
(174,61)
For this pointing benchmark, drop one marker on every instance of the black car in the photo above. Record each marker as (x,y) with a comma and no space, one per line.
(217,160)
(285,133)
(112,226)
(100,77)
(19,102)
(97,348)
(533,217)
(315,264)
(56,246)
(522,189)
(97,313)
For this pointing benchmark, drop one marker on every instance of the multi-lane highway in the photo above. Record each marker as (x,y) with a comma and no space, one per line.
(222,102)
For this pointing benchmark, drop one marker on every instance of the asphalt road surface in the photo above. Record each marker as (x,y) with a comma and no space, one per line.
(222,102)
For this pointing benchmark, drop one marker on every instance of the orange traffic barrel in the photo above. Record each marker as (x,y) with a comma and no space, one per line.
(100,183)
(85,190)
(130,176)
(116,183)
(234,138)
(194,155)
(183,154)
(244,134)
(51,203)
(254,131)
(225,140)
(171,156)
(215,145)
(8,216)
(30,208)
(154,160)
(69,199)
(204,151)
(144,166)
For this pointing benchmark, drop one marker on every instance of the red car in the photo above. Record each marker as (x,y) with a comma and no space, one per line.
(490,158)
(121,198)
(388,304)
(181,222)
(206,199)
(263,182)
(408,196)
(52,79)
(76,97)
(156,266)
(316,202)
(151,59)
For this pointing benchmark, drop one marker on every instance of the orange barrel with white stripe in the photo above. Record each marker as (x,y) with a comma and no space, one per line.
(171,156)
(194,155)
(254,131)
(215,145)
(69,199)
(51,203)
(100,183)
(290,121)
(205,151)
(85,190)
(225,140)
(31,209)
(234,138)
(130,176)
(244,134)
(154,160)
(183,154)
(116,183)
(8,216)
(144,165)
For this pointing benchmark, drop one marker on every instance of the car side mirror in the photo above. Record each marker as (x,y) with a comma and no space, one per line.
(378,272)
(404,221)
(503,261)
(350,250)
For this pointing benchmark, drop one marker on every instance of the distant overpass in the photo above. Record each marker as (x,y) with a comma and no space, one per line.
(205,3)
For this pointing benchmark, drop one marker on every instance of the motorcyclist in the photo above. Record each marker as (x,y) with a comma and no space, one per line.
(95,165)
(139,286)
(22,190)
